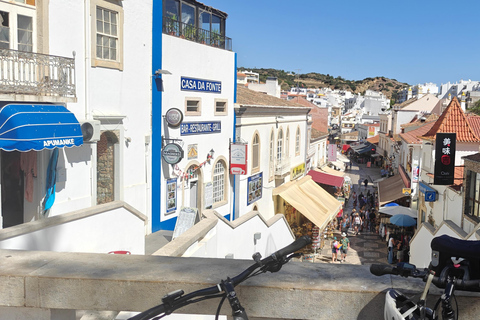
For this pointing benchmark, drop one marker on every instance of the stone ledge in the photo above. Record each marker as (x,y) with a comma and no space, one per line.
(134,282)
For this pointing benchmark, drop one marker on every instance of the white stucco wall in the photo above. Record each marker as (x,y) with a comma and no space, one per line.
(264,125)
(188,59)
(123,95)
(115,230)
(223,240)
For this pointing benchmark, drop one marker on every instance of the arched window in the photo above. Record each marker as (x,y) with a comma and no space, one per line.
(219,182)
(279,145)
(287,143)
(271,160)
(256,152)
(297,142)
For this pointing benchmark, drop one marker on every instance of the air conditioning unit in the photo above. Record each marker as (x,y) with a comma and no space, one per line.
(90,130)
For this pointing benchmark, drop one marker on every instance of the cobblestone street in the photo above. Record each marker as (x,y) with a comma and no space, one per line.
(366,247)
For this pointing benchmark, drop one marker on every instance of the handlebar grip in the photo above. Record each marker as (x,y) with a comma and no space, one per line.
(294,246)
(382,269)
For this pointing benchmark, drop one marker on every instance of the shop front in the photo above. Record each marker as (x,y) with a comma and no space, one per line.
(305,205)
(31,135)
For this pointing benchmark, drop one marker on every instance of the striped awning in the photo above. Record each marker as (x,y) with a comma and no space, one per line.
(25,127)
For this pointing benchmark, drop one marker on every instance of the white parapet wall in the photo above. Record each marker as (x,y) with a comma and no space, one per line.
(216,237)
(114,226)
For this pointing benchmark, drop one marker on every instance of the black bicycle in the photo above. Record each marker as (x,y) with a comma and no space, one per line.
(455,265)
(226,288)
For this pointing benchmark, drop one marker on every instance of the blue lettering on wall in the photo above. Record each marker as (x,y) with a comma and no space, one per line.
(190,128)
(192,84)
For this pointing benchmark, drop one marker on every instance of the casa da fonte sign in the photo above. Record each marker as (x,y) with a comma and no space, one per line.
(201,85)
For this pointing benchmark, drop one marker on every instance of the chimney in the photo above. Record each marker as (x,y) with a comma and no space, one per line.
(409,94)
(420,92)
(462,103)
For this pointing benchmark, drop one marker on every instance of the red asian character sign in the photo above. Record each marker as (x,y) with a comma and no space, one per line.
(445,158)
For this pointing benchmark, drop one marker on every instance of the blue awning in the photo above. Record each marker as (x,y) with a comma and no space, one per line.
(25,127)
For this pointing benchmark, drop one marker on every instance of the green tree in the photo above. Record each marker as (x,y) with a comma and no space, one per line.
(476,108)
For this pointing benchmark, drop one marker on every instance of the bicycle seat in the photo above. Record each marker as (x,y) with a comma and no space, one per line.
(456,247)
(445,247)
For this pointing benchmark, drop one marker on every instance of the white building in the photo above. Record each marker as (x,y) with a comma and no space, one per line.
(276,132)
(100,71)
(271,87)
(201,87)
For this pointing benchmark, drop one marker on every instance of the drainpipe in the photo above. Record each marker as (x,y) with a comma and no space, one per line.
(87,52)
(235,201)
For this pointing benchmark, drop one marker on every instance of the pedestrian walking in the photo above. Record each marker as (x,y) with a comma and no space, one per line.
(366,183)
(359,183)
(357,223)
(334,247)
(391,245)
(345,246)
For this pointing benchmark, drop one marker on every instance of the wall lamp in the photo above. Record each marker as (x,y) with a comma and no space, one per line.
(158,78)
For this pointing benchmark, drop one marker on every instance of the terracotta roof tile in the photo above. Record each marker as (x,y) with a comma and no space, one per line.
(249,97)
(412,137)
(474,121)
(453,119)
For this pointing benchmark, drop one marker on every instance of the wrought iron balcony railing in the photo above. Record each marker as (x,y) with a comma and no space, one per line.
(36,74)
(187,31)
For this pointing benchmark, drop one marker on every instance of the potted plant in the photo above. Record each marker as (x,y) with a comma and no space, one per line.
(172,25)
(215,38)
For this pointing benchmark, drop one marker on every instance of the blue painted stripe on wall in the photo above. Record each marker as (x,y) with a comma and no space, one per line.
(235,83)
(157,22)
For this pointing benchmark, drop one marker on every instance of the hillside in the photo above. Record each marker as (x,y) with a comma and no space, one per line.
(387,86)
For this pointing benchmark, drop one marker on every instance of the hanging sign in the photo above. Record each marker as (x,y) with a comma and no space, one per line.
(238,158)
(174,117)
(172,153)
(444,158)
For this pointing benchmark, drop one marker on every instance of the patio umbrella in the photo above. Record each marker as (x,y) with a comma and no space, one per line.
(393,211)
(392,204)
(403,220)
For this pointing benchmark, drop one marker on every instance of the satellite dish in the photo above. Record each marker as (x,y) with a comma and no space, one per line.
(87,131)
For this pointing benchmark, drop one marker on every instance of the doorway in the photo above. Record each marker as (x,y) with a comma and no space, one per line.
(106,155)
(12,189)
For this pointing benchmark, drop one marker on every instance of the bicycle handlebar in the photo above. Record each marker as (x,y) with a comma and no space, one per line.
(459,284)
(270,263)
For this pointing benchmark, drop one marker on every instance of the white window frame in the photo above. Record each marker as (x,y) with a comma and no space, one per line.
(220,182)
(114,6)
(198,112)
(256,157)
(280,145)
(287,143)
(271,159)
(14,10)
(297,142)
(225,111)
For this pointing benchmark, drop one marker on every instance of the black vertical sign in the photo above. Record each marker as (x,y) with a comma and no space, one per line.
(445,158)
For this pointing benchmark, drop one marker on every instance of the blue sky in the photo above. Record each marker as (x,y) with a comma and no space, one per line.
(410,41)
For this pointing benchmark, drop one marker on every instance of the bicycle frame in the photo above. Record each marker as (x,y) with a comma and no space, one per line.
(225,289)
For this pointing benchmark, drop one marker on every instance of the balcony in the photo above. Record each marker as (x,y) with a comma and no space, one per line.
(43,77)
(182,30)
(282,167)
